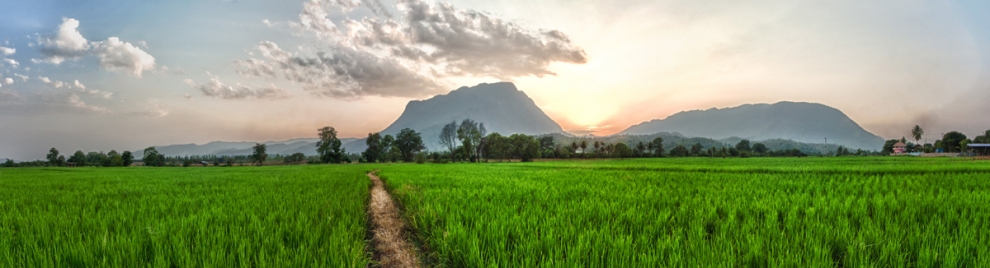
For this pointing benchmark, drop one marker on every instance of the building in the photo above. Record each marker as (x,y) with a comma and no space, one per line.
(900,148)
(981,149)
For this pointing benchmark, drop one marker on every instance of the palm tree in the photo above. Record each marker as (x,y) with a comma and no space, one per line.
(916,133)
(584,146)
(597,145)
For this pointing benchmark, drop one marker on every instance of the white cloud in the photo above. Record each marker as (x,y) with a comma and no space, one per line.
(215,88)
(23,78)
(12,62)
(76,103)
(116,55)
(79,85)
(6,51)
(155,108)
(66,44)
(8,80)
(45,79)
(409,57)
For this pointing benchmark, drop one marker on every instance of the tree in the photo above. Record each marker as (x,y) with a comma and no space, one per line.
(329,146)
(115,159)
(127,158)
(657,146)
(598,146)
(481,140)
(390,153)
(96,159)
(9,163)
(259,154)
(375,151)
(497,146)
(152,158)
(52,157)
(679,151)
(60,161)
(640,147)
(547,146)
(696,149)
(985,138)
(525,147)
(951,141)
(448,138)
(759,148)
(409,143)
(743,146)
(916,133)
(294,158)
(78,158)
(469,134)
(584,146)
(622,150)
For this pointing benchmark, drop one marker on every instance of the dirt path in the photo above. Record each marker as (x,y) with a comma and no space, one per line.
(392,249)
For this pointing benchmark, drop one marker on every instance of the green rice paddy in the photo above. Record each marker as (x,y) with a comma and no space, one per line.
(680,212)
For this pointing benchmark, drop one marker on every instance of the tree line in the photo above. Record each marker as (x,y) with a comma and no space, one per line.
(950,142)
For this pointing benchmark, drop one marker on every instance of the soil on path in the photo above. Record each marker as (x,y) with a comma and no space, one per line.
(392,249)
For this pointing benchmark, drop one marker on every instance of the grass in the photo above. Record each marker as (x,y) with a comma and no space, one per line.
(300,216)
(675,212)
(811,212)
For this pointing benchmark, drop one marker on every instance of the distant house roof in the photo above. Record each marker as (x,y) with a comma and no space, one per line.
(900,144)
(979,145)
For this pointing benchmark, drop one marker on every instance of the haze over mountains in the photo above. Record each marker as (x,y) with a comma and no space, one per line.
(797,121)
(505,109)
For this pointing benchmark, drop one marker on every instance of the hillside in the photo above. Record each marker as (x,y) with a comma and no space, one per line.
(500,106)
(800,122)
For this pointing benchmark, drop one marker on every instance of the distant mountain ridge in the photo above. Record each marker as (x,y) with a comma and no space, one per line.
(797,121)
(306,146)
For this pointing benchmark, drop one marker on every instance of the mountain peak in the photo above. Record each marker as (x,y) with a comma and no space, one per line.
(500,106)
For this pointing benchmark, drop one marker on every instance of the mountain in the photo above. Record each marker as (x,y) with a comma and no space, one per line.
(797,121)
(500,106)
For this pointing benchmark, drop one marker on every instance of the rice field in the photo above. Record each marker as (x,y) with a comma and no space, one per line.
(811,212)
(674,212)
(300,216)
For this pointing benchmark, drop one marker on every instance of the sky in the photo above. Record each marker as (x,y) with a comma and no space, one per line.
(124,75)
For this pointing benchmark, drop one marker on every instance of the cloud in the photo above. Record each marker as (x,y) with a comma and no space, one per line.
(155,108)
(9,97)
(12,62)
(46,102)
(6,51)
(165,70)
(76,103)
(409,57)
(8,81)
(215,88)
(23,78)
(79,85)
(469,42)
(341,72)
(65,44)
(115,55)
